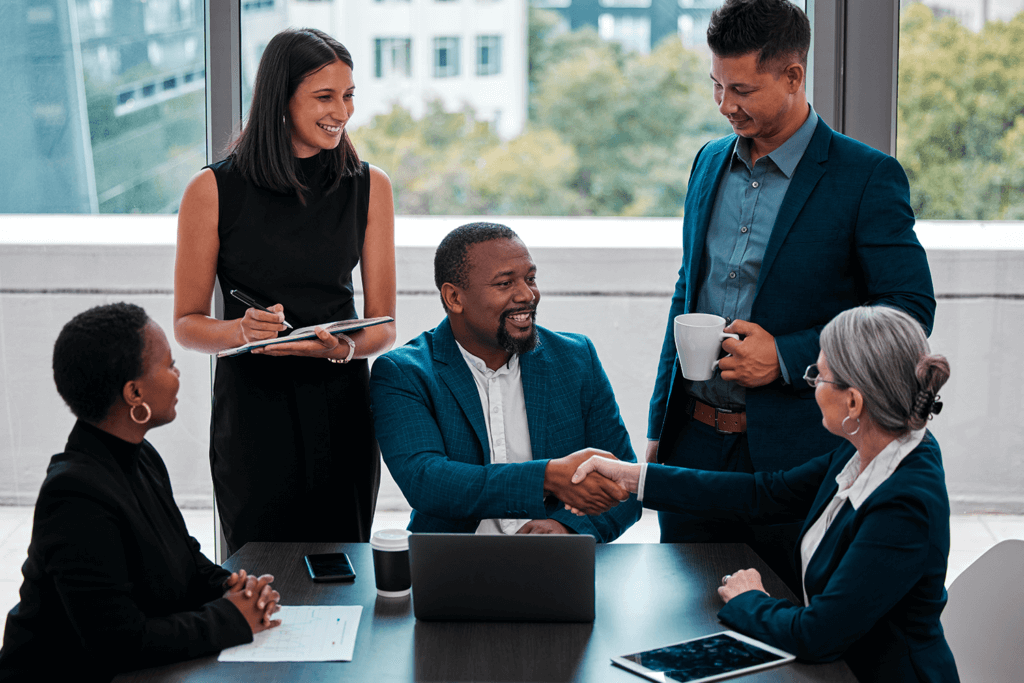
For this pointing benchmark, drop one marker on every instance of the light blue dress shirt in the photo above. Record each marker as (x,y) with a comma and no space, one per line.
(746,206)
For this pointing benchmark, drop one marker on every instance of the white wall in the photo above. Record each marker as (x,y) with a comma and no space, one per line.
(615,289)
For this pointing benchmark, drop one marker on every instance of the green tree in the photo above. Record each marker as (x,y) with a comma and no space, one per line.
(451,164)
(531,175)
(960,116)
(430,160)
(635,121)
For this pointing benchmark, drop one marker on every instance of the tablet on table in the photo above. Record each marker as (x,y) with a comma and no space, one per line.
(708,658)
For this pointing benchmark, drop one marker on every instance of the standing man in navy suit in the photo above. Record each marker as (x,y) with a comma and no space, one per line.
(483,420)
(786,224)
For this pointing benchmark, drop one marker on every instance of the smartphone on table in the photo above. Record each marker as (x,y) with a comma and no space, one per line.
(330,567)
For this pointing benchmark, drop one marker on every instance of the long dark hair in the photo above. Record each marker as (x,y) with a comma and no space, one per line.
(263,151)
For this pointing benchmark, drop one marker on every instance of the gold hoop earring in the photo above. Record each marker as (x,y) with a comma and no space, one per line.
(843,425)
(149,414)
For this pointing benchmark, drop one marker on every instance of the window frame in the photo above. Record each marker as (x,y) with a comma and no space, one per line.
(384,49)
(452,45)
(492,43)
(853,64)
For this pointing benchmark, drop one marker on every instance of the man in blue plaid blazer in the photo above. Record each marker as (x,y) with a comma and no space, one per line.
(483,420)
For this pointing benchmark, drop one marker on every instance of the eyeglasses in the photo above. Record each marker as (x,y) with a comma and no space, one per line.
(813,377)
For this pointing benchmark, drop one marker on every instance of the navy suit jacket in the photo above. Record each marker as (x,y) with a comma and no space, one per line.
(844,237)
(433,437)
(876,582)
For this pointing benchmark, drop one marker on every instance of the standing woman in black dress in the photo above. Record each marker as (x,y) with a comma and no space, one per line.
(285,219)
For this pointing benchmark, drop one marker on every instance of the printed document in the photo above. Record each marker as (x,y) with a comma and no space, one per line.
(308,633)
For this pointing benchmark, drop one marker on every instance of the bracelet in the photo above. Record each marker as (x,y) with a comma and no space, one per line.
(351,351)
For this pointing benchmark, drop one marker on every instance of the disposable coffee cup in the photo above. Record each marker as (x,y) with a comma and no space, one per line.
(698,342)
(391,562)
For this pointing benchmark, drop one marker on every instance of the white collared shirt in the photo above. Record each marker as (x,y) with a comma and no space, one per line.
(855,489)
(508,432)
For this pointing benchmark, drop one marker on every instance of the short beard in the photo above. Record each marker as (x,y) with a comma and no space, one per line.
(517,345)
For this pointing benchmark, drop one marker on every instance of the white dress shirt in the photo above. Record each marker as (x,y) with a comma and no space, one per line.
(855,489)
(508,433)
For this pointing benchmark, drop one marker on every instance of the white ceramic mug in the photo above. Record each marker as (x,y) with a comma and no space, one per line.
(698,342)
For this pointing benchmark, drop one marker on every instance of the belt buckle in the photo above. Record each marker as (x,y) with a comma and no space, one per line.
(717,412)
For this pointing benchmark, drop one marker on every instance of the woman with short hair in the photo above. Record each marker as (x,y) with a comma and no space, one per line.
(285,219)
(875,538)
(113,581)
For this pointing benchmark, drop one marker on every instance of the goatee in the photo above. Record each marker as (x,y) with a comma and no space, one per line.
(517,345)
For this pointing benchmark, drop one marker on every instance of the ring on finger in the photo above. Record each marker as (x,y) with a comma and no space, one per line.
(725,579)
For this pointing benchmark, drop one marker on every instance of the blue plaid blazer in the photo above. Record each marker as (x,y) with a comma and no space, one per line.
(432,433)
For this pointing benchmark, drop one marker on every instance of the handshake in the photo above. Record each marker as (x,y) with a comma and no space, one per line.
(590,481)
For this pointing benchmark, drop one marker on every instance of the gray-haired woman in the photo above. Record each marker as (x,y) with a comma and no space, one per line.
(875,538)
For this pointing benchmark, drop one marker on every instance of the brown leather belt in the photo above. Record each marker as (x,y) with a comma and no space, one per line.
(722,420)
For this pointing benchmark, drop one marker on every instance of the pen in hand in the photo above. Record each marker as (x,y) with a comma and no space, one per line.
(249,301)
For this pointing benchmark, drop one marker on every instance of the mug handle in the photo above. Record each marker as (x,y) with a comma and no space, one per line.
(725,335)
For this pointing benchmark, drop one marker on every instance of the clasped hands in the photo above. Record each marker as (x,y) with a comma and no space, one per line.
(255,599)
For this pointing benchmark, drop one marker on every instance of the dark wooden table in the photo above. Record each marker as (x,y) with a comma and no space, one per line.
(648,595)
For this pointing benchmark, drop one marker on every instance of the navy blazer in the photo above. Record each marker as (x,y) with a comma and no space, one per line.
(433,437)
(876,582)
(844,237)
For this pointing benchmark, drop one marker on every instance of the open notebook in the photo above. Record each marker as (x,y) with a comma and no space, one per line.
(307,333)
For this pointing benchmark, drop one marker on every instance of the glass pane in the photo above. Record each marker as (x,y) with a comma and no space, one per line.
(960,126)
(104,102)
(503,107)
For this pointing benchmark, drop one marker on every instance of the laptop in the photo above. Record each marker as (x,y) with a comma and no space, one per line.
(466,577)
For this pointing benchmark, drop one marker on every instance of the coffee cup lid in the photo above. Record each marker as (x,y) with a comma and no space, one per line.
(391,539)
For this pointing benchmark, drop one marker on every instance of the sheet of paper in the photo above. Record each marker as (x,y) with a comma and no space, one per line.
(308,633)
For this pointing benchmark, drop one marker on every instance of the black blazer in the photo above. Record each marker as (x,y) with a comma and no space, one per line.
(113,582)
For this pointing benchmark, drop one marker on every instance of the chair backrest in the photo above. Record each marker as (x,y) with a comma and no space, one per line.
(984,618)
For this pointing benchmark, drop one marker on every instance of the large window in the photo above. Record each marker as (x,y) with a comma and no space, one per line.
(103,104)
(960,125)
(505,108)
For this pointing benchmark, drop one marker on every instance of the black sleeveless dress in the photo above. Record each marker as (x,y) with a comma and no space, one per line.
(292,448)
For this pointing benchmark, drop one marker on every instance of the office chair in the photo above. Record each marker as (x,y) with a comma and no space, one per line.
(984,618)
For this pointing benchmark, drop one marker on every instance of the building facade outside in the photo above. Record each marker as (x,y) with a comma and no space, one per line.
(638,25)
(463,53)
(973,14)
